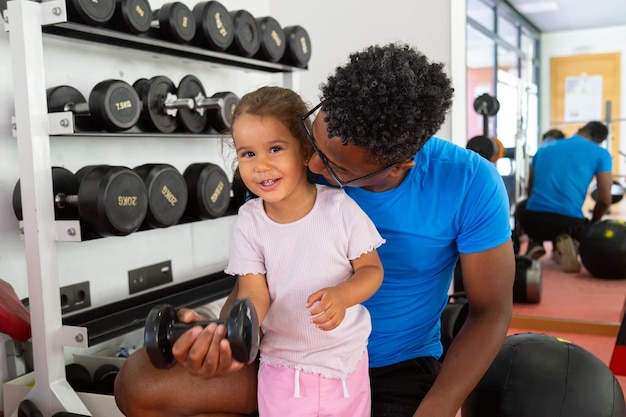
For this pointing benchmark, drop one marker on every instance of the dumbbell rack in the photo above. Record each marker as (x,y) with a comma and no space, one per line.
(27,22)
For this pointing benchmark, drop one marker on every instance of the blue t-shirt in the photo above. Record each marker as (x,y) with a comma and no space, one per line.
(453,201)
(562,174)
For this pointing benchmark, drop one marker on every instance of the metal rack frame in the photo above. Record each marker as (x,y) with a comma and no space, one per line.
(28,22)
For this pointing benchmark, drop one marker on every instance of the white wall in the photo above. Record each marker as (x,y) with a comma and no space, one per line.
(582,42)
(336,28)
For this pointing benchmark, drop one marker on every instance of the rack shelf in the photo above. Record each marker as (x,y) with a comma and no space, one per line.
(118,318)
(153,44)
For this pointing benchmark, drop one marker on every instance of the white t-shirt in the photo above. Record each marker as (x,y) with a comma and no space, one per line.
(298,259)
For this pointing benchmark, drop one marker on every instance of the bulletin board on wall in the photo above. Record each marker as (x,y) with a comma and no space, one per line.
(580,86)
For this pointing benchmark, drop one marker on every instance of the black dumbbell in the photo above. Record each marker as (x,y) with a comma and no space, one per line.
(113,105)
(111,200)
(241,194)
(174,22)
(132,16)
(486,105)
(298,50)
(272,37)
(63,181)
(78,377)
(214,26)
(246,41)
(160,104)
(104,378)
(95,13)
(167,194)
(108,200)
(214,112)
(163,329)
(208,191)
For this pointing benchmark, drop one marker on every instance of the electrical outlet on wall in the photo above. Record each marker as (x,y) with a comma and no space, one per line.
(150,276)
(75,297)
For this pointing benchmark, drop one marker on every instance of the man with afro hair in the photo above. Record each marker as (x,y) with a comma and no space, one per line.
(433,201)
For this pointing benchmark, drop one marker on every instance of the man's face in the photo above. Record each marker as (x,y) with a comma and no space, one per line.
(349,162)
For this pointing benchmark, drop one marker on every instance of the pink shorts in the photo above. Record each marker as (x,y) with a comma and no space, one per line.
(312,395)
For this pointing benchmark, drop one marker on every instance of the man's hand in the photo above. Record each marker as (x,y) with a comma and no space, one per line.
(204,352)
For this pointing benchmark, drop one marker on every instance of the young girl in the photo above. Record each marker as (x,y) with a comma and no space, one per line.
(306,256)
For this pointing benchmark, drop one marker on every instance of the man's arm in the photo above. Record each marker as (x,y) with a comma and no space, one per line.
(488,281)
(603,200)
(531,176)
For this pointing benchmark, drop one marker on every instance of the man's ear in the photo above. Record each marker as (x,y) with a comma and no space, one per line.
(401,168)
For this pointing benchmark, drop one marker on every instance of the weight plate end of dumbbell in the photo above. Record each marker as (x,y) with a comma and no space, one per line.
(272,37)
(156,341)
(215,28)
(63,182)
(190,119)
(167,194)
(112,200)
(486,105)
(94,13)
(133,16)
(176,22)
(115,105)
(153,115)
(222,119)
(534,282)
(298,51)
(243,330)
(208,190)
(62,97)
(246,41)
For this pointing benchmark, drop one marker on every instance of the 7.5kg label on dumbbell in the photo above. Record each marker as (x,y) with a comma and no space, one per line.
(123,105)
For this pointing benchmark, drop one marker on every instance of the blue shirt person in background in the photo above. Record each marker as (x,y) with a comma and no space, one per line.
(558,181)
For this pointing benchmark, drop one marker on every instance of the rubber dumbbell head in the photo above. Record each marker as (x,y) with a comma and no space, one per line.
(113,105)
(215,111)
(160,104)
(272,37)
(208,191)
(63,181)
(214,26)
(111,200)
(246,41)
(298,50)
(104,378)
(163,329)
(94,13)
(132,16)
(174,22)
(167,194)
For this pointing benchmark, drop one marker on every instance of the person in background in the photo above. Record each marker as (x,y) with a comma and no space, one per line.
(431,200)
(558,180)
(551,136)
(305,255)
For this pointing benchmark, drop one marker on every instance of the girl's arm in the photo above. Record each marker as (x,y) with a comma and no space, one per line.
(332,302)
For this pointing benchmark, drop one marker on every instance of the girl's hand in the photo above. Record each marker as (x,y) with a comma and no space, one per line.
(330,309)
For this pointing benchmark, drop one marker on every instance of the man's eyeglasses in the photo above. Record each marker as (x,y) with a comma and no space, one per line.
(325,161)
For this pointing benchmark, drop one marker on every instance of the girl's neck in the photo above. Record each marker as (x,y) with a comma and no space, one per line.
(293,208)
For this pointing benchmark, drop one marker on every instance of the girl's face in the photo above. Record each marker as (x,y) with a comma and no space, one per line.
(270,159)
